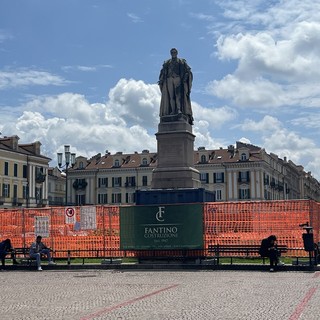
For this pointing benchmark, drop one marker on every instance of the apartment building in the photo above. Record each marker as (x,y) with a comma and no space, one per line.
(23,174)
(241,172)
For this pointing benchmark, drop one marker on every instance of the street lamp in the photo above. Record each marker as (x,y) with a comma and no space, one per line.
(70,158)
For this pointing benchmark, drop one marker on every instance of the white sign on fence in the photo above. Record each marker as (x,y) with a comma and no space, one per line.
(88,218)
(70,214)
(41,226)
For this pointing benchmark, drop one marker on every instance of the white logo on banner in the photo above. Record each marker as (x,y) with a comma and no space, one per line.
(88,218)
(159,214)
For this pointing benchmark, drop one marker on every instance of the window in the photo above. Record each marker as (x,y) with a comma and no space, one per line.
(81,165)
(25,192)
(6,168)
(218,177)
(102,198)
(218,195)
(103,182)
(244,194)
(116,163)
(243,157)
(130,181)
(116,182)
(15,191)
(144,181)
(80,199)
(203,159)
(204,177)
(130,197)
(38,193)
(265,179)
(144,161)
(25,171)
(244,176)
(6,190)
(116,198)
(15,170)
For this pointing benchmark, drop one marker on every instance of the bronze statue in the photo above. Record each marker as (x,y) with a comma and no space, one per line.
(175,83)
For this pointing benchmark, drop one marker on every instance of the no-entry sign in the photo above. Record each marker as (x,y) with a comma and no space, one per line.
(69,212)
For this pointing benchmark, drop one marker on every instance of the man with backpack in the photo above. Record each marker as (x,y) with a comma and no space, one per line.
(269,249)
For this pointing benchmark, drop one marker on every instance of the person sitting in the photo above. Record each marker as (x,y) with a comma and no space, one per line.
(37,249)
(269,249)
(6,248)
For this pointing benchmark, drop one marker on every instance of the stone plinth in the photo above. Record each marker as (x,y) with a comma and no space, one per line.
(175,155)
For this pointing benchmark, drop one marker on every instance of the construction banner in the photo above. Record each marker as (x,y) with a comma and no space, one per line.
(161,227)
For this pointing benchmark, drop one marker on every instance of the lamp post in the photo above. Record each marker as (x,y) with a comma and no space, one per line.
(70,158)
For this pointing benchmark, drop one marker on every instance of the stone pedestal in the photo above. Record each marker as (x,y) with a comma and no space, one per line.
(175,155)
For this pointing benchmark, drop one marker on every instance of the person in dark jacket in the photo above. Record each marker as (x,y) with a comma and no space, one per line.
(269,249)
(6,248)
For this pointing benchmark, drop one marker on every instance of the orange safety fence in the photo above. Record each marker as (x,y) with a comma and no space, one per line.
(243,223)
(92,229)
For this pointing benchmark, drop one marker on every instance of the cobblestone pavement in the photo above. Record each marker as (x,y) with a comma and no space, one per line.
(108,294)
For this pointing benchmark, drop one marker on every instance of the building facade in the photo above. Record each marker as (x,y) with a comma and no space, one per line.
(56,187)
(241,172)
(23,174)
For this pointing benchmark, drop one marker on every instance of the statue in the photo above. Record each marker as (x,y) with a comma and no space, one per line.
(175,83)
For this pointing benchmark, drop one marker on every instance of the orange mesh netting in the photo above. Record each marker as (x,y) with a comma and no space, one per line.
(224,223)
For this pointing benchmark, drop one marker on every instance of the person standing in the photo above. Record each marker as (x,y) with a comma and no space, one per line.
(175,83)
(37,249)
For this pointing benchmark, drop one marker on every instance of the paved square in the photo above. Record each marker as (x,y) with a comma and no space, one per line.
(108,294)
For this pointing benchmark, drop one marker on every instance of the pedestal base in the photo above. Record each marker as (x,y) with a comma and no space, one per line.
(169,196)
(175,167)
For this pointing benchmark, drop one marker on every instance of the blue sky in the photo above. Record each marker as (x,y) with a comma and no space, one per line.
(85,72)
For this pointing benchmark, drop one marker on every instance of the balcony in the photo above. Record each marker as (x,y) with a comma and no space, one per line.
(40,178)
(130,184)
(17,201)
(80,185)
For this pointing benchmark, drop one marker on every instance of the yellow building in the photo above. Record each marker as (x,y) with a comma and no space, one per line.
(23,174)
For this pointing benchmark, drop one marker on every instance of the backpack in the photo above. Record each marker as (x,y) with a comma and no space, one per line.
(263,250)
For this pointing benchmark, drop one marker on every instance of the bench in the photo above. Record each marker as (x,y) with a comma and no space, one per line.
(238,251)
(169,256)
(23,255)
(106,255)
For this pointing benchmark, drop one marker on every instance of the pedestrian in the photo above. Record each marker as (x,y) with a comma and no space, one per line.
(270,250)
(37,249)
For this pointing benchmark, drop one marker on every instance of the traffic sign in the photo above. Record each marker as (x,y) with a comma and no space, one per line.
(69,212)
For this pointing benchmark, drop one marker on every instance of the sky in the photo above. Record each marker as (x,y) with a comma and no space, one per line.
(85,72)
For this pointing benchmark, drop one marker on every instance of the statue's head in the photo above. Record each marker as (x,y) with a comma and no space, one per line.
(174,52)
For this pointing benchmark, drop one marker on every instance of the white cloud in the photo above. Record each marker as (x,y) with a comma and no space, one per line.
(134,18)
(135,102)
(202,16)
(85,68)
(277,139)
(5,35)
(216,117)
(25,77)
(268,123)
